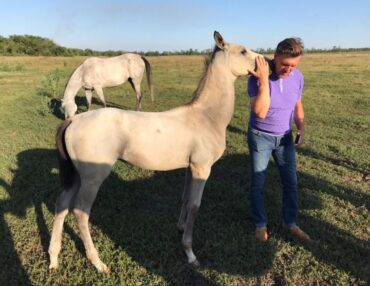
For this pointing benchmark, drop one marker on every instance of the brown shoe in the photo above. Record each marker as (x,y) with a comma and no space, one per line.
(261,234)
(297,232)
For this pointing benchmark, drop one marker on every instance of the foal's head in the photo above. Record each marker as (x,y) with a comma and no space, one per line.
(240,59)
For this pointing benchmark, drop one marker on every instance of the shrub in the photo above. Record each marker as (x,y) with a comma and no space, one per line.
(51,91)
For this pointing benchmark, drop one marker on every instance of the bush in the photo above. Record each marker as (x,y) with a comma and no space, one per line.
(51,84)
(51,92)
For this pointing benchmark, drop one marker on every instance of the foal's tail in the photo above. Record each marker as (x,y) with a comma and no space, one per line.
(148,70)
(67,172)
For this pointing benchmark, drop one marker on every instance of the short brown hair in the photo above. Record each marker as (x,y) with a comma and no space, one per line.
(292,47)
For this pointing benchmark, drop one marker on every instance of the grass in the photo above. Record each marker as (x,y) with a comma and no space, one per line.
(133,219)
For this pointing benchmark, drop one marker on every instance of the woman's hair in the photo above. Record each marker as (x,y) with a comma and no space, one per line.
(292,47)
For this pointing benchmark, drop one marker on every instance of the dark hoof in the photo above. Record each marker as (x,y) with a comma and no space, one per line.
(195,263)
(180,228)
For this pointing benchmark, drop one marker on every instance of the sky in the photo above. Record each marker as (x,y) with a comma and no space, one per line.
(143,25)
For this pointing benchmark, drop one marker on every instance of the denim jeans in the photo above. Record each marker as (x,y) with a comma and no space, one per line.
(261,146)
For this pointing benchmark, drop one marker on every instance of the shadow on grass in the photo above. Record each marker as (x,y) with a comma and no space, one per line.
(57,110)
(236,130)
(29,188)
(334,161)
(140,217)
(354,197)
(11,269)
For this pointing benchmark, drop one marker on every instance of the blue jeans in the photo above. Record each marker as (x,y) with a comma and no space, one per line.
(261,146)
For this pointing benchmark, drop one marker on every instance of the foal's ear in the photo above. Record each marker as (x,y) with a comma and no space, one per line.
(219,40)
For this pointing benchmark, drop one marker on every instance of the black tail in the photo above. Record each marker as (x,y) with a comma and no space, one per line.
(67,172)
(148,70)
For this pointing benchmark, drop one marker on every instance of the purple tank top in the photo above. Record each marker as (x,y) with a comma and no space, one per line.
(284,93)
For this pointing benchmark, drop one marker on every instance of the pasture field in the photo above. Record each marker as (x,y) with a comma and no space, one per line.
(133,220)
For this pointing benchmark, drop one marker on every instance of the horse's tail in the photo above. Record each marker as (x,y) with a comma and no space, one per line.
(148,70)
(67,172)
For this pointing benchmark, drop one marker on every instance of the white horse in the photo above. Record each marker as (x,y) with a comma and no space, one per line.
(192,136)
(96,73)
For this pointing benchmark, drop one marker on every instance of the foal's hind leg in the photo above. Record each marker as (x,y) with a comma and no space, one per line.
(81,211)
(198,181)
(82,208)
(135,83)
(62,206)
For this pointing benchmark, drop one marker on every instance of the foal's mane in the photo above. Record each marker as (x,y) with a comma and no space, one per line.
(208,59)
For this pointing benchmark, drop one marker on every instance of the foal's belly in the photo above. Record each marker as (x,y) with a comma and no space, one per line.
(155,159)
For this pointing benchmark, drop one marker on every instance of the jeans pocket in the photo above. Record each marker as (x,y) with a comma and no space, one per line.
(258,141)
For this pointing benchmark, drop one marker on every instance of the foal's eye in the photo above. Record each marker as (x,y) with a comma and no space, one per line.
(243,52)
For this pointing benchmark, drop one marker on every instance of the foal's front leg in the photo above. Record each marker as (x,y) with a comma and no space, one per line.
(185,199)
(197,183)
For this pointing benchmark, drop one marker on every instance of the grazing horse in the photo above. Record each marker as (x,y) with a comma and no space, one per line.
(192,136)
(96,73)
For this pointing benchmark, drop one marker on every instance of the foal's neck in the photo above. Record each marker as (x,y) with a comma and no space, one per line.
(217,94)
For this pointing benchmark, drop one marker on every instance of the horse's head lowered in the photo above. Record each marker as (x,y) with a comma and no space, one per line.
(70,108)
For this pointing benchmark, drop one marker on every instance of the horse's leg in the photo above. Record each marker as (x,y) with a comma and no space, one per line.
(88,93)
(198,181)
(82,208)
(84,201)
(135,83)
(99,92)
(62,206)
(185,198)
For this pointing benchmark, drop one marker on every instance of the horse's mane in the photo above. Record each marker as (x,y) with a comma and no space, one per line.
(208,59)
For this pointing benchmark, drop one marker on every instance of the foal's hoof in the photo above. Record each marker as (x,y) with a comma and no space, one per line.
(106,269)
(53,265)
(180,227)
(101,267)
(53,268)
(195,263)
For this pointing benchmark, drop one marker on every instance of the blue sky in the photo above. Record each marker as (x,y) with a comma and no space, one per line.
(142,25)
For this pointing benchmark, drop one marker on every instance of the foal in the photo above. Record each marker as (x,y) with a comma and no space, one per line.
(191,136)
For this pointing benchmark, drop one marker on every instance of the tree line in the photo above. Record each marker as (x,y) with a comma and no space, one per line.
(38,46)
(19,45)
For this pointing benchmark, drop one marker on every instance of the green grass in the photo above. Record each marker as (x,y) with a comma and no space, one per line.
(134,217)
